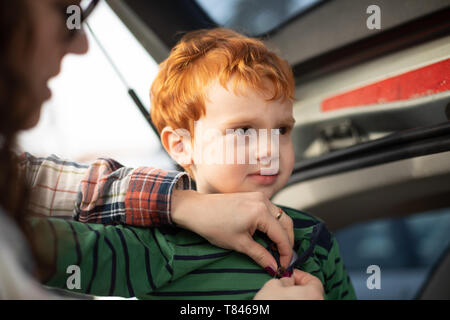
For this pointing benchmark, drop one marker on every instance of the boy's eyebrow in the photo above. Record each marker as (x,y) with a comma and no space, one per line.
(238,121)
(287,122)
(234,122)
(290,121)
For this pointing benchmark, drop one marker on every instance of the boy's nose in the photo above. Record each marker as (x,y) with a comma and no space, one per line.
(268,148)
(264,160)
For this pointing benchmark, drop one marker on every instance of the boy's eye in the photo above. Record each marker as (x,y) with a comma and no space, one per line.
(245,131)
(284,130)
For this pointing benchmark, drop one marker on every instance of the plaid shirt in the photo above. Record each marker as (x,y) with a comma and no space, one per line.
(103,192)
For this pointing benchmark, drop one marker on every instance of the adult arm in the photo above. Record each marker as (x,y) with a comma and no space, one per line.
(102,192)
(97,259)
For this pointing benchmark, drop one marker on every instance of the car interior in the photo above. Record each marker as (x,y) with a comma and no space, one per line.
(372,133)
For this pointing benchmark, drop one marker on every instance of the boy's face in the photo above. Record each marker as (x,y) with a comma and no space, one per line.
(237,161)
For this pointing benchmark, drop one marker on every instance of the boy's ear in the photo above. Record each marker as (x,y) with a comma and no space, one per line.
(178,145)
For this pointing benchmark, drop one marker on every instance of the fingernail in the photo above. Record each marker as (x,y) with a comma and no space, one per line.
(270,271)
(286,274)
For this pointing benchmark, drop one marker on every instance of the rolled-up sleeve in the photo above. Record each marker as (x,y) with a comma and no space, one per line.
(102,192)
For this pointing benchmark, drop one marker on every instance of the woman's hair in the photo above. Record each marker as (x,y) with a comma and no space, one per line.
(15,35)
(202,56)
(13,23)
(15,39)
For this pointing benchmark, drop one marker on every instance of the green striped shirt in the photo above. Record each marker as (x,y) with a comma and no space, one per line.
(172,263)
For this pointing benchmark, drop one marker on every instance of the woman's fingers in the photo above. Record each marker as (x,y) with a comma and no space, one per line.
(259,254)
(289,289)
(281,235)
(288,225)
(230,220)
(306,279)
(270,226)
(287,281)
(284,220)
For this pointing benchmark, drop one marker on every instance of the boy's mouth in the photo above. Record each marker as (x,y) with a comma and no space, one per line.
(264,179)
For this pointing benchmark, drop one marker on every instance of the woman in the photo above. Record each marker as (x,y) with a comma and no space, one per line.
(34,38)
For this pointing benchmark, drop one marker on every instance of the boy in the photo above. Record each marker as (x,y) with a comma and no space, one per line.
(222,82)
(222,103)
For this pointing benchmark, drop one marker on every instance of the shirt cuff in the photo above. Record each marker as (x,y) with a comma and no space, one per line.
(149,194)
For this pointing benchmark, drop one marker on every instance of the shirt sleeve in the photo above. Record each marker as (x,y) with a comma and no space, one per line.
(320,256)
(337,283)
(99,260)
(102,192)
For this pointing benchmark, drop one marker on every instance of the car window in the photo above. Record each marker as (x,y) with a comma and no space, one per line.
(90,114)
(405,249)
(254,17)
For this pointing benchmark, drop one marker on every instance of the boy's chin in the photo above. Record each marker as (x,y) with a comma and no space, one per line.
(268,191)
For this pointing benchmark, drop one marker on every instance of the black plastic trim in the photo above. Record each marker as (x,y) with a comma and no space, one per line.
(171,19)
(414,32)
(397,146)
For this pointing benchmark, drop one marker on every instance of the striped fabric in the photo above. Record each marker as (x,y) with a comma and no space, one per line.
(103,192)
(171,263)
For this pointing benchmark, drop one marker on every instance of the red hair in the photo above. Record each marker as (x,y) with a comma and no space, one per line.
(202,56)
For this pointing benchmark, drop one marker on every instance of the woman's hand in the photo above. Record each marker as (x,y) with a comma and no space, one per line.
(300,286)
(230,220)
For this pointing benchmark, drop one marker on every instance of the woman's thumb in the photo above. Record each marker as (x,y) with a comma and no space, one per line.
(303,278)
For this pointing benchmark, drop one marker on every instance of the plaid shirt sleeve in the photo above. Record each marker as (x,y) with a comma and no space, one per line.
(103,192)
